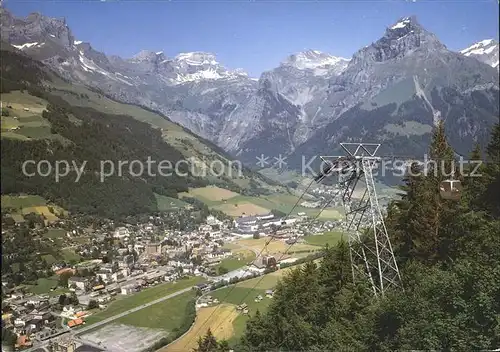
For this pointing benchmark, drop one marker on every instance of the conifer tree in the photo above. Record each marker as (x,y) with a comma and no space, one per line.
(207,344)
(492,174)
(474,183)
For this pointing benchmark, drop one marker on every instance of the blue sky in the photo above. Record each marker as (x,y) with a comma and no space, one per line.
(257,35)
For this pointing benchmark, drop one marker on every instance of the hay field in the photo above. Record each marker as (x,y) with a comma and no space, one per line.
(221,324)
(42,210)
(275,246)
(240,209)
(210,193)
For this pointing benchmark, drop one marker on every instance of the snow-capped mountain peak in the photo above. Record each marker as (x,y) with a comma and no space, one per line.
(198,66)
(485,51)
(321,63)
(197,58)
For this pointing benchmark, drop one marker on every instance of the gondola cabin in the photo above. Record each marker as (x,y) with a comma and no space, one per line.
(450,189)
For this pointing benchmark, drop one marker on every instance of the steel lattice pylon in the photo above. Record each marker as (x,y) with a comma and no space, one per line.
(372,258)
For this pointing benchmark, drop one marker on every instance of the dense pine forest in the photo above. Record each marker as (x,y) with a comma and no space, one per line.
(449,257)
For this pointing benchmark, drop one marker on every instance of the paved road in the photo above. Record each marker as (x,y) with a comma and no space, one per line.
(114,317)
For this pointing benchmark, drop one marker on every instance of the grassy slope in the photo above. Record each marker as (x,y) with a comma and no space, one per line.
(26,125)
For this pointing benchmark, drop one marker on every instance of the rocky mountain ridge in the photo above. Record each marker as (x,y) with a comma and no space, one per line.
(290,107)
(485,51)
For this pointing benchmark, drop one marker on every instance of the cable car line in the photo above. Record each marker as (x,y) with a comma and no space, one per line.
(281,257)
(259,254)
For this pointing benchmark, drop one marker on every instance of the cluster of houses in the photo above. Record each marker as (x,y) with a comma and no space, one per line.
(258,223)
(29,315)
(144,255)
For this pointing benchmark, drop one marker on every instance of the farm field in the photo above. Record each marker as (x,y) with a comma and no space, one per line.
(25,124)
(123,303)
(43,285)
(239,259)
(244,292)
(275,246)
(220,322)
(331,238)
(20,205)
(237,205)
(210,194)
(242,208)
(167,315)
(23,201)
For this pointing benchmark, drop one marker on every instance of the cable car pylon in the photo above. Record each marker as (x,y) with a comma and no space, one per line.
(372,257)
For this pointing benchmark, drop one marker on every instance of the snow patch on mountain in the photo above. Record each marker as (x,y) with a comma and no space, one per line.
(89,66)
(200,75)
(28,45)
(401,24)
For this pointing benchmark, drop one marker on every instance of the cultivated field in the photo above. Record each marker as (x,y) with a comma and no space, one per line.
(42,210)
(210,193)
(25,124)
(244,292)
(220,322)
(265,282)
(275,247)
(330,238)
(237,205)
(243,208)
(20,205)
(239,259)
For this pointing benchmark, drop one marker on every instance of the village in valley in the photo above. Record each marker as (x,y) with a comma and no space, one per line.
(113,263)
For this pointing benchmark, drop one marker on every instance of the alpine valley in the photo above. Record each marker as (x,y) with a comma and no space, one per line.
(392,91)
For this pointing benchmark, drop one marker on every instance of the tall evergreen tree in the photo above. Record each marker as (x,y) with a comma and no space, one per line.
(492,174)
(208,343)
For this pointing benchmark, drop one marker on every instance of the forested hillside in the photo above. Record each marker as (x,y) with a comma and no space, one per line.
(87,135)
(449,258)
(78,125)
